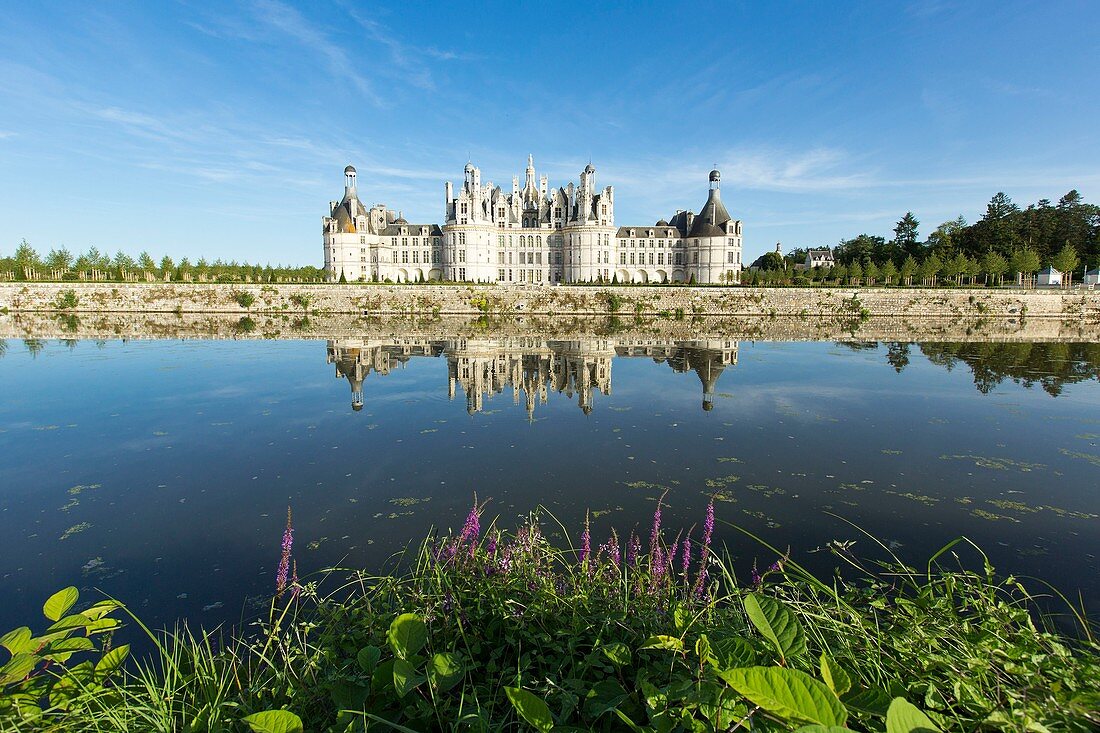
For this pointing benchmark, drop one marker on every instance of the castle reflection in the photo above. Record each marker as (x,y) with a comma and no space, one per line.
(532,367)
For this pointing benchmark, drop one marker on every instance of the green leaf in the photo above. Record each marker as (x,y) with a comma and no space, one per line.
(617,652)
(111,661)
(834,675)
(660,641)
(702,649)
(823,729)
(445,670)
(60,602)
(67,646)
(368,658)
(405,677)
(274,721)
(788,693)
(530,708)
(872,700)
(18,667)
(905,717)
(733,651)
(407,635)
(605,695)
(777,624)
(18,640)
(74,621)
(98,610)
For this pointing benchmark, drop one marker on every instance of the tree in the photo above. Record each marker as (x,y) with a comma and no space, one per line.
(166,264)
(908,269)
(871,272)
(994,265)
(1024,261)
(771,261)
(1066,260)
(855,272)
(26,256)
(956,267)
(889,272)
(840,272)
(59,259)
(905,234)
(146,262)
(930,268)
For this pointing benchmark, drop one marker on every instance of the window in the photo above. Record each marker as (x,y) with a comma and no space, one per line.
(462,256)
(651,258)
(500,258)
(660,258)
(679,258)
(695,257)
(632,258)
(393,242)
(416,241)
(509,258)
(730,257)
(500,273)
(416,257)
(622,258)
(404,241)
(426,257)
(362,240)
(557,212)
(464,210)
(462,273)
(538,259)
(404,257)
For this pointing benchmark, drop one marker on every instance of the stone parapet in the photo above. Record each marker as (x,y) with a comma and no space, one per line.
(621,301)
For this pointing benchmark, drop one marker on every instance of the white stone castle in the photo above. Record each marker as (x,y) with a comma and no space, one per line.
(530,236)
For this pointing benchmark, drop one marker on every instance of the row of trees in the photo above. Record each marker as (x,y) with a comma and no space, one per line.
(1007,240)
(26,258)
(989,269)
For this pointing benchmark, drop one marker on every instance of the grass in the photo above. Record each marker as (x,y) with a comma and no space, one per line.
(506,631)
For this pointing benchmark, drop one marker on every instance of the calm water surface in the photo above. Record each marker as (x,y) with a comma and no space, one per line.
(160,471)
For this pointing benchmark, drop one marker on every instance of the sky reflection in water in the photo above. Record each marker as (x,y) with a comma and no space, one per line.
(160,471)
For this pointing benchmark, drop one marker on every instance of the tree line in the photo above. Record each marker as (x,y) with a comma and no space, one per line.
(27,262)
(1007,241)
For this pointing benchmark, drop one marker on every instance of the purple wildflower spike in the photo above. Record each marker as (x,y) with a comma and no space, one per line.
(633,549)
(284,559)
(295,587)
(471,530)
(491,547)
(708,525)
(586,540)
(655,532)
(756,579)
(685,562)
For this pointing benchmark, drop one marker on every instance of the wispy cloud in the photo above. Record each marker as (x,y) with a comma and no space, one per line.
(6,134)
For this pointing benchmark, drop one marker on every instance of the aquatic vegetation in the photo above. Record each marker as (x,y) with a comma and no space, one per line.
(983,514)
(76,528)
(728,459)
(1013,506)
(645,485)
(1090,457)
(494,631)
(406,501)
(890,452)
(722,481)
(999,464)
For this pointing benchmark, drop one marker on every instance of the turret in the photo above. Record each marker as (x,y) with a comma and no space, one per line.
(349,181)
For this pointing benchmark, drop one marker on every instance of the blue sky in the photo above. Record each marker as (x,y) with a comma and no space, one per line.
(222,129)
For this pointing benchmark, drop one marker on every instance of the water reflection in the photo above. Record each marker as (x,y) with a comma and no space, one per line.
(532,367)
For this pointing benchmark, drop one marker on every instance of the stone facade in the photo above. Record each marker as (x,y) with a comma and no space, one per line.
(911,303)
(530,236)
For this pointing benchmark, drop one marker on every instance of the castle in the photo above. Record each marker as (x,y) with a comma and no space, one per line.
(531,366)
(530,236)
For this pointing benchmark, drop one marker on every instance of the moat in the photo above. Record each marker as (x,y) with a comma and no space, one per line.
(159,471)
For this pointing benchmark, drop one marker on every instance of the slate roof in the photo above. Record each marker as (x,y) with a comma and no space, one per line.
(711,218)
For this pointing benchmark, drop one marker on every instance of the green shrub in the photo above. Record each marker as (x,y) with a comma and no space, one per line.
(67,300)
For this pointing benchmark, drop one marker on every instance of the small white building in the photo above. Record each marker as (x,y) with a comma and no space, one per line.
(1092,277)
(819,258)
(1049,276)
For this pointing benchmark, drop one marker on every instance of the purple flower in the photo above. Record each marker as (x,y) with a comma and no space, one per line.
(284,560)
(586,540)
(633,549)
(471,530)
(756,579)
(776,566)
(708,526)
(685,562)
(655,532)
(491,547)
(295,588)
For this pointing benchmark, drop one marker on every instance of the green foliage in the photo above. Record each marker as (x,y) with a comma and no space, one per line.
(614,302)
(244,299)
(507,632)
(302,300)
(66,300)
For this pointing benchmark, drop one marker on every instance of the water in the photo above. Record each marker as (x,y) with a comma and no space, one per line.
(160,472)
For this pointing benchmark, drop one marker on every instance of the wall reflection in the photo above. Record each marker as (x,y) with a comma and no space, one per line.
(532,367)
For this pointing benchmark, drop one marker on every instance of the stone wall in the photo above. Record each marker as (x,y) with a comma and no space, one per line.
(910,303)
(43,325)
